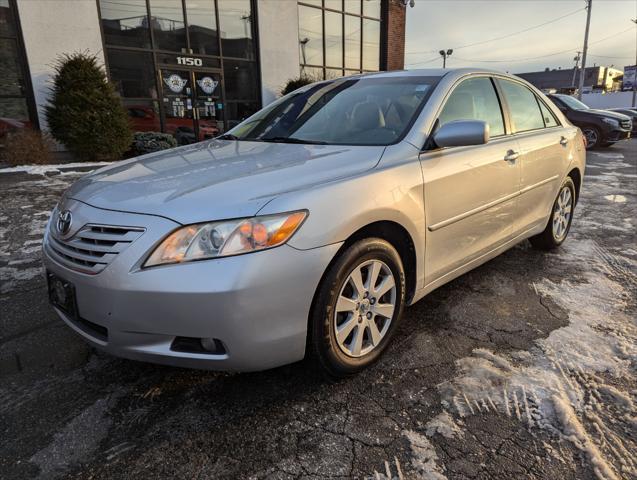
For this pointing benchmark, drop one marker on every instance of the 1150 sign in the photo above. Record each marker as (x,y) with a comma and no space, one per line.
(190,61)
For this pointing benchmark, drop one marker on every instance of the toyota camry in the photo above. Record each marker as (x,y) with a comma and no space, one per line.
(305,230)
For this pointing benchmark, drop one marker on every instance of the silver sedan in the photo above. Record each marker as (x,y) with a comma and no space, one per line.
(305,230)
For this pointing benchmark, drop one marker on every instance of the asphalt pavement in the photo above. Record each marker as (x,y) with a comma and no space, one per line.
(523,368)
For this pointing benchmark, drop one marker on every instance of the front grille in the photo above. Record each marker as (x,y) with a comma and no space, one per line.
(92,248)
(626,124)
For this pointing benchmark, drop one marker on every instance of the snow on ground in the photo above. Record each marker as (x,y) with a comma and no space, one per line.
(56,168)
(567,384)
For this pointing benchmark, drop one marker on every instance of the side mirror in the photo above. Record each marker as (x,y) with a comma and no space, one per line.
(462,133)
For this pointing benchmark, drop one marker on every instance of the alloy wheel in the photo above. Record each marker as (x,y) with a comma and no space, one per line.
(562,213)
(365,308)
(591,137)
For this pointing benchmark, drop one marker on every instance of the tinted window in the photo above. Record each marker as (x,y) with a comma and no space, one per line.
(235,23)
(202,26)
(549,118)
(523,107)
(352,42)
(240,80)
(132,73)
(167,20)
(474,99)
(311,35)
(125,23)
(333,39)
(371,44)
(365,111)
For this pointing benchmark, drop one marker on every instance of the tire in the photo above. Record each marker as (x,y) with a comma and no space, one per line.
(553,235)
(341,356)
(593,137)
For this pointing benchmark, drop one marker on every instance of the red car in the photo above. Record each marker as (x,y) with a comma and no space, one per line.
(145,119)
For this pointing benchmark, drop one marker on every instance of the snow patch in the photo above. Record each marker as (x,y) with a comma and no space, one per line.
(569,383)
(615,198)
(424,458)
(444,425)
(56,168)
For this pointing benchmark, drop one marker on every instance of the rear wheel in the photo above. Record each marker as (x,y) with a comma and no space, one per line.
(593,137)
(559,223)
(357,307)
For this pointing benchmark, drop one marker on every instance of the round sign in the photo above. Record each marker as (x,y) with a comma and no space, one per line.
(207,84)
(175,83)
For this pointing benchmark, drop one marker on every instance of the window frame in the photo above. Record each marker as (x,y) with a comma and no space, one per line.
(503,109)
(498,80)
(156,53)
(360,17)
(28,94)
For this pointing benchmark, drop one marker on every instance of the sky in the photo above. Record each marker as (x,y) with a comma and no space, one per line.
(433,25)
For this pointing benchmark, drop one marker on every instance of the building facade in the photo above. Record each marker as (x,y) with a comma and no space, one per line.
(193,67)
(596,78)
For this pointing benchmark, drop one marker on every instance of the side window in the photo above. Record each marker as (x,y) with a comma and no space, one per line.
(523,107)
(474,99)
(549,118)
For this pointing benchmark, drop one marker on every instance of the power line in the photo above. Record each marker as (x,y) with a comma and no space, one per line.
(518,60)
(507,35)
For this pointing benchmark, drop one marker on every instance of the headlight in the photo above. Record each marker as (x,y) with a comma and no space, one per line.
(610,121)
(221,239)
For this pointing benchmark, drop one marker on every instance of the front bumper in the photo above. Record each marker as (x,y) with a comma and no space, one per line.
(256,304)
(618,135)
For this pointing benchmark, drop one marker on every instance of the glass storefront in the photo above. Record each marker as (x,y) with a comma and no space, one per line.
(17,109)
(339,37)
(186,67)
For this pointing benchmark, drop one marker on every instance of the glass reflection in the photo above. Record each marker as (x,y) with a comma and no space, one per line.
(352,42)
(311,35)
(167,20)
(202,27)
(371,44)
(333,39)
(235,20)
(125,23)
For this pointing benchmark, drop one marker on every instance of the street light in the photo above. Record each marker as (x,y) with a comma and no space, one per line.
(444,55)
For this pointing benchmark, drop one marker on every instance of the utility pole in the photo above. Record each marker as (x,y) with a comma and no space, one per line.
(589,7)
(576,59)
(635,75)
(445,54)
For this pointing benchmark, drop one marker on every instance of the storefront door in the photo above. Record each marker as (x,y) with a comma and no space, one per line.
(192,104)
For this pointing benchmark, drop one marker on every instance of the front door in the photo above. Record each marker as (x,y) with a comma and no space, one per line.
(470,192)
(192,106)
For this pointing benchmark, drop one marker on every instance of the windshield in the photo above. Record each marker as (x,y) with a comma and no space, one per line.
(347,111)
(573,103)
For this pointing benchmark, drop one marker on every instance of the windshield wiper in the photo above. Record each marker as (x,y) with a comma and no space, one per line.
(227,136)
(292,140)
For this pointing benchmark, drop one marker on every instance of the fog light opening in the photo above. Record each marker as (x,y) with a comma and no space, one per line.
(211,346)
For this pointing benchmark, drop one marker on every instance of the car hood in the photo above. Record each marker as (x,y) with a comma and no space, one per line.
(607,114)
(218,179)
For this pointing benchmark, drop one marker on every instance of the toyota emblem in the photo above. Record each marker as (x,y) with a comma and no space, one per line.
(64,222)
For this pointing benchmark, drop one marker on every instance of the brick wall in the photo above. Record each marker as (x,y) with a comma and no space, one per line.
(393,35)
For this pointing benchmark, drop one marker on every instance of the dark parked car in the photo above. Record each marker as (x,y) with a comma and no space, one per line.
(629,112)
(601,128)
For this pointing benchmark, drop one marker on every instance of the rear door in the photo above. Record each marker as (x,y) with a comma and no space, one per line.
(545,149)
(470,192)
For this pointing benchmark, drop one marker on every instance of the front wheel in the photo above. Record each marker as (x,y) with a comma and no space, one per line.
(559,223)
(593,137)
(357,307)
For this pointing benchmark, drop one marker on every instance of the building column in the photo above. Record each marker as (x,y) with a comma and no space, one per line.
(51,28)
(278,45)
(393,35)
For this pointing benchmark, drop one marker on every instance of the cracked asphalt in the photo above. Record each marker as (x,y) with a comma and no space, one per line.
(67,411)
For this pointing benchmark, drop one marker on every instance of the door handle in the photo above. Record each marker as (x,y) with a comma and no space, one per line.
(511,156)
(564,141)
